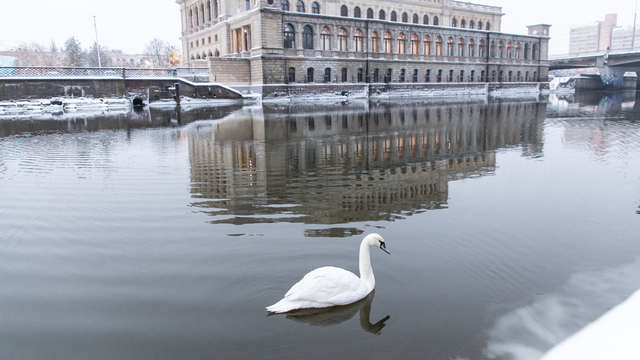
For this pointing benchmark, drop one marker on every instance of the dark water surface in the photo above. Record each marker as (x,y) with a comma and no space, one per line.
(164,234)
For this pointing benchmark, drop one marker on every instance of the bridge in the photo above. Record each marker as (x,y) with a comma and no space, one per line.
(611,64)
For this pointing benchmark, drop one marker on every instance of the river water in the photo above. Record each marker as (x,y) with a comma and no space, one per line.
(163,234)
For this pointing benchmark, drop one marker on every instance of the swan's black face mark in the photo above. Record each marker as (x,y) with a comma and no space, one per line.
(383,247)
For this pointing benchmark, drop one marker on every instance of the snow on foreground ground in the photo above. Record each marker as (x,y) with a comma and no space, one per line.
(615,335)
(554,319)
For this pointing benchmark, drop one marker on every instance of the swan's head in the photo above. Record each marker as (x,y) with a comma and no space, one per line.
(376,240)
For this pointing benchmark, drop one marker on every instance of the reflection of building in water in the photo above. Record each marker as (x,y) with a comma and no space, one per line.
(351,163)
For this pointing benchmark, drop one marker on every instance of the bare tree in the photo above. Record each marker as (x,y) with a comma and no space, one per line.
(36,54)
(157,50)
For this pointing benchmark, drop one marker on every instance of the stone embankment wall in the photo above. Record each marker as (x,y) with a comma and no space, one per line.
(392,90)
(30,88)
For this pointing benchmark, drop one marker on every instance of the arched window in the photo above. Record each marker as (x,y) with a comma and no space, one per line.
(357,40)
(481,49)
(327,75)
(461,47)
(191,19)
(535,76)
(192,58)
(479,25)
(376,75)
(509,54)
(454,22)
(492,49)
(387,42)
(405,17)
(438,46)
(310,78)
(427,76)
(300,6)
(344,75)
(463,24)
(360,75)
(416,19)
(501,76)
(394,16)
(325,39)
(289,38)
(517,51)
(374,42)
(344,11)
(315,8)
(202,13)
(450,46)
(435,20)
(461,77)
(500,49)
(388,77)
(197,17)
(197,56)
(471,24)
(426,44)
(215,9)
(342,39)
(526,52)
(284,4)
(307,37)
(482,73)
(488,26)
(381,15)
(493,76)
(291,75)
(415,78)
(356,12)
(425,20)
(439,79)
(402,75)
(369,13)
(414,44)
(472,49)
(208,11)
(519,77)
(210,54)
(216,53)
(472,76)
(526,76)
(534,55)
(401,44)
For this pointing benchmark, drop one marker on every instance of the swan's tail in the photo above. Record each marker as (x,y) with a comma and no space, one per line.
(282,306)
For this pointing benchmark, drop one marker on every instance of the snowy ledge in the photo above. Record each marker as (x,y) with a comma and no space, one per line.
(612,336)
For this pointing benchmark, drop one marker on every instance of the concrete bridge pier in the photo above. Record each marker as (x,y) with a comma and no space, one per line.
(613,78)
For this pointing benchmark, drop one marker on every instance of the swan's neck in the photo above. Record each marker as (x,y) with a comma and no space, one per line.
(366,272)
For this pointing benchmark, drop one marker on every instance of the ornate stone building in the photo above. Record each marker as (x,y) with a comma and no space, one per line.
(256,42)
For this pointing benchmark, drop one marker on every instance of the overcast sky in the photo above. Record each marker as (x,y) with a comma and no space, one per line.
(129,25)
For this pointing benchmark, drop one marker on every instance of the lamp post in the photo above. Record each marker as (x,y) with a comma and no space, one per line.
(98,44)
(633,35)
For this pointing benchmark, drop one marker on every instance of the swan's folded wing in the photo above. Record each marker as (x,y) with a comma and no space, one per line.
(325,285)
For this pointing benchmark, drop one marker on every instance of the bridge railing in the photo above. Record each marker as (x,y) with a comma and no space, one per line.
(593,53)
(191,73)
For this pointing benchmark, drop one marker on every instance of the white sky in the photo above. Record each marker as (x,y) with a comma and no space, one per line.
(129,25)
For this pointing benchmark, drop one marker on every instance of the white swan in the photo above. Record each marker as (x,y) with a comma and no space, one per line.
(331,286)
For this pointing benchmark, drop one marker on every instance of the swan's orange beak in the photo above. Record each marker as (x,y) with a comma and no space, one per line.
(384,248)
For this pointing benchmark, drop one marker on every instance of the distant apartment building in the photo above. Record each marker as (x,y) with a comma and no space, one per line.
(622,38)
(592,37)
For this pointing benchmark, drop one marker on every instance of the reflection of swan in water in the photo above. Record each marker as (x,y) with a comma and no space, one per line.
(339,314)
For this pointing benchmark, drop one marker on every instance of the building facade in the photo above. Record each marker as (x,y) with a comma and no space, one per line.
(592,37)
(623,38)
(257,42)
